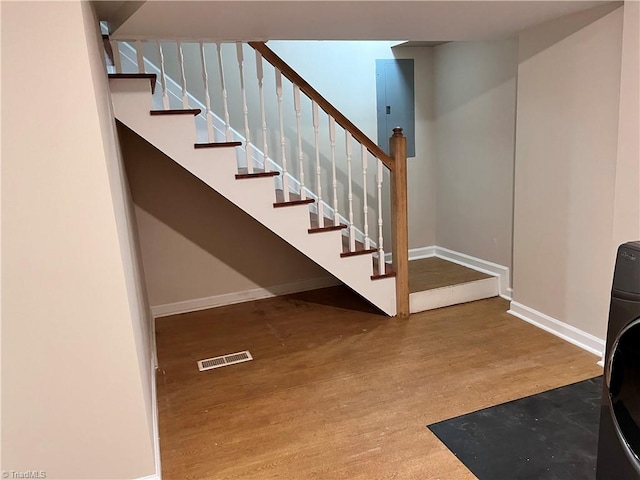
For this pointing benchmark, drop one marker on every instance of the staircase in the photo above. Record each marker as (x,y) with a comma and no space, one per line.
(173,132)
(313,177)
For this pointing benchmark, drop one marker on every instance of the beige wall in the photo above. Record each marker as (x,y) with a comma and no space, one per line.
(475,105)
(626,215)
(195,243)
(566,149)
(75,342)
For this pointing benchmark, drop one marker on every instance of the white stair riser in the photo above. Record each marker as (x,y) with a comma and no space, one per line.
(453,295)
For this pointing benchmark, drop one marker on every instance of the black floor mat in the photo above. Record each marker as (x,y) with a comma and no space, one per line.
(549,436)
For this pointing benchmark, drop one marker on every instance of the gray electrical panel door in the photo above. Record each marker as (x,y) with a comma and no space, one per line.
(395,101)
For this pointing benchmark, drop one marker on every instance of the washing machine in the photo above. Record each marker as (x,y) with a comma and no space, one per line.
(619,438)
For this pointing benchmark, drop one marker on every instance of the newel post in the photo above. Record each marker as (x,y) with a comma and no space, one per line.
(400,220)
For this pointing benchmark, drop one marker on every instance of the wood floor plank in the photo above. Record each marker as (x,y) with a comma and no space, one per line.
(433,272)
(337,390)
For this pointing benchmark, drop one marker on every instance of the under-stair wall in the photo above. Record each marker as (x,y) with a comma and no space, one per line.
(199,250)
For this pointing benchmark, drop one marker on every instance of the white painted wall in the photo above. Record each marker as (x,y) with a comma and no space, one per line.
(565,174)
(475,106)
(626,214)
(75,345)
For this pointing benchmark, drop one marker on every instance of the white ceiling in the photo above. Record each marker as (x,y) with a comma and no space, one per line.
(342,20)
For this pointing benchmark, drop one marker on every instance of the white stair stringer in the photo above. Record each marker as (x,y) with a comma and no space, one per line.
(175,136)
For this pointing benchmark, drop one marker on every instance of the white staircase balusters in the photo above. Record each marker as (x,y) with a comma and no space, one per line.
(263,120)
(381,263)
(207,97)
(225,105)
(245,110)
(334,178)
(183,78)
(298,109)
(173,135)
(163,78)
(117,62)
(352,228)
(316,131)
(299,179)
(283,144)
(140,56)
(365,207)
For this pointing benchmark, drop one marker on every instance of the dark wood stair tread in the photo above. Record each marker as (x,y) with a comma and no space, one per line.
(291,203)
(181,111)
(243,173)
(217,144)
(328,222)
(360,250)
(389,271)
(294,199)
(151,76)
(330,228)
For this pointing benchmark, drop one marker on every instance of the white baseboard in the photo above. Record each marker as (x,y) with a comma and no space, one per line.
(155,419)
(567,332)
(508,295)
(479,265)
(422,252)
(244,296)
(155,427)
(453,295)
(468,261)
(416,253)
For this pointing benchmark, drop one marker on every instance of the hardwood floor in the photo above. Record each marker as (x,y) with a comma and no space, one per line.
(430,273)
(338,391)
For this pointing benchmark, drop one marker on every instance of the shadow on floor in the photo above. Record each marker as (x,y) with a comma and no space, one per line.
(339,297)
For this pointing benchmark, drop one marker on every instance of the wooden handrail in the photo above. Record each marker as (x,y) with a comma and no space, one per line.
(271,57)
(400,221)
(107,48)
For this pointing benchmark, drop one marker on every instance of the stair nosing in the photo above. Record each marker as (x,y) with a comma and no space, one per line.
(153,78)
(292,203)
(217,145)
(331,228)
(179,111)
(358,252)
(386,275)
(244,176)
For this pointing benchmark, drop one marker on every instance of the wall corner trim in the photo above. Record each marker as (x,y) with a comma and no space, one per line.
(244,296)
(479,265)
(150,477)
(569,333)
(474,263)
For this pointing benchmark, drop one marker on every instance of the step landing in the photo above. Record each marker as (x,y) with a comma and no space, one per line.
(435,283)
